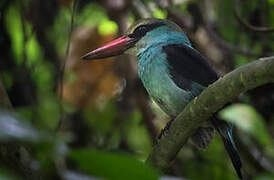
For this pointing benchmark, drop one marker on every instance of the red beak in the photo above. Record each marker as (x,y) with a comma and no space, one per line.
(113,48)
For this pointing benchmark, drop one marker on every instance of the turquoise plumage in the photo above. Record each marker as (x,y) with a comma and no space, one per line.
(172,72)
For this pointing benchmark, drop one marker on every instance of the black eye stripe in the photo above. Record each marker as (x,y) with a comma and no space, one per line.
(141,30)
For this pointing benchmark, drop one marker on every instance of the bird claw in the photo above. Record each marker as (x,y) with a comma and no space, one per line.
(165,129)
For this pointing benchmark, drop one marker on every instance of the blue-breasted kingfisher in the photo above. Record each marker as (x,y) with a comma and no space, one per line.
(172,72)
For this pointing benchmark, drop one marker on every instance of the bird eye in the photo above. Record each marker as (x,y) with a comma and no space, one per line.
(140,31)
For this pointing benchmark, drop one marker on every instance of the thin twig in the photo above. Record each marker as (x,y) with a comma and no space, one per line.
(246,24)
(63,66)
(229,46)
(188,25)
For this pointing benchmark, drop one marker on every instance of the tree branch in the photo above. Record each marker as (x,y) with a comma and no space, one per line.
(208,102)
(63,66)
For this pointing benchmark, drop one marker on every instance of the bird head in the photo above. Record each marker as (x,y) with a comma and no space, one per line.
(139,36)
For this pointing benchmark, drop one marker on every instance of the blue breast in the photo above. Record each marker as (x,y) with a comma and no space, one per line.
(154,73)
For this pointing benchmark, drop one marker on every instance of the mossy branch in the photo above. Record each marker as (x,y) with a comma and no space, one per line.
(208,102)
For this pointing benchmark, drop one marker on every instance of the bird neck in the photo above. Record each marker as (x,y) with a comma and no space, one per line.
(161,36)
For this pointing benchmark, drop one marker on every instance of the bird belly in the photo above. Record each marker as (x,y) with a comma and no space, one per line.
(154,73)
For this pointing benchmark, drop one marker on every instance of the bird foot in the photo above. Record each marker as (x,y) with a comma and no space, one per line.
(165,129)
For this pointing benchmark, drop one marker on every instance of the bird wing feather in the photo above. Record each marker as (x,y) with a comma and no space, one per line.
(187,66)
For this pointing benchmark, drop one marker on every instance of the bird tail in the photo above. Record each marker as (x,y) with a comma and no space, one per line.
(202,137)
(225,131)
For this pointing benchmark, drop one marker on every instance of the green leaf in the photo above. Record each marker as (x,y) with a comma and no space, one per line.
(159,13)
(14,28)
(112,166)
(246,118)
(17,29)
(33,50)
(107,27)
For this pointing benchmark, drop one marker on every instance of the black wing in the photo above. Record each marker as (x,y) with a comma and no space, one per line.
(188,66)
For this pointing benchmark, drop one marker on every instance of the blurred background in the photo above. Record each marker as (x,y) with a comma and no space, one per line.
(62,118)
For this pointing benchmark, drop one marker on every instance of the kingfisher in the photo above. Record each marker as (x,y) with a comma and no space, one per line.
(173,73)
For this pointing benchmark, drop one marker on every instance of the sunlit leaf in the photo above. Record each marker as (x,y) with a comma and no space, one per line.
(14,28)
(107,27)
(246,118)
(14,25)
(159,13)
(112,166)
(33,50)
